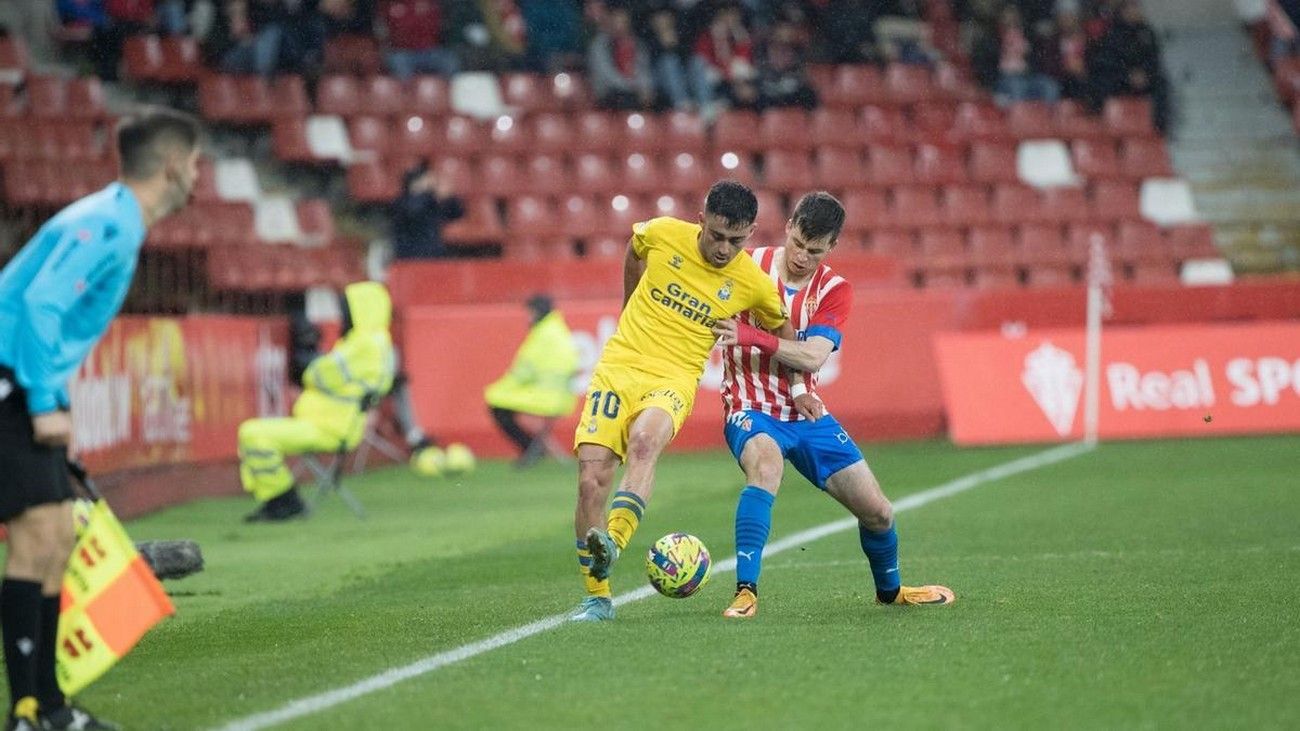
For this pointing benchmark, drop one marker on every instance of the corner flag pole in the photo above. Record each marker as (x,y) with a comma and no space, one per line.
(1099,281)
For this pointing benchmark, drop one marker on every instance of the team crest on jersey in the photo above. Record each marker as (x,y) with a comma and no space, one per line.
(676,261)
(741,421)
(724,294)
(810,305)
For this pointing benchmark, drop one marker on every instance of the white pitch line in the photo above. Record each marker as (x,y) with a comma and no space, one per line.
(330,698)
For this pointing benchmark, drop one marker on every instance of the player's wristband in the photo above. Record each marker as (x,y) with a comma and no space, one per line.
(797,389)
(761,339)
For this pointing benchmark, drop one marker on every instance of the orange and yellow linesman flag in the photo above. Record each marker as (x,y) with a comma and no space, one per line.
(110,599)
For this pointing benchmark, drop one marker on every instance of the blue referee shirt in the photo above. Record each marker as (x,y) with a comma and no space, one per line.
(60,292)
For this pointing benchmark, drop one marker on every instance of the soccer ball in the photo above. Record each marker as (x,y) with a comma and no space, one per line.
(459,459)
(429,462)
(678,565)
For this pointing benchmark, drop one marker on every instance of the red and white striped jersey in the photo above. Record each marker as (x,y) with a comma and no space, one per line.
(751,380)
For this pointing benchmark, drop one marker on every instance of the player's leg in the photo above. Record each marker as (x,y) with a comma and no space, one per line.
(596,465)
(263,446)
(599,443)
(38,549)
(755,441)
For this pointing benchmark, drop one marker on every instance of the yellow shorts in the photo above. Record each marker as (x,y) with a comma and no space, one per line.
(617,394)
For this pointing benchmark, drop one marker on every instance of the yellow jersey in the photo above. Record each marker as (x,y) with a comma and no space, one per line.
(665,329)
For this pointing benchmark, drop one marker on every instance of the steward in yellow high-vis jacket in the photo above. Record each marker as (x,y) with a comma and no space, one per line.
(337,388)
(538,382)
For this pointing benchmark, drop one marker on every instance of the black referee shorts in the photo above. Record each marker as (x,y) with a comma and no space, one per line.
(30,474)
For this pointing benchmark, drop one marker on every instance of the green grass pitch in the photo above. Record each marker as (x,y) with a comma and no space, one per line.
(1143,585)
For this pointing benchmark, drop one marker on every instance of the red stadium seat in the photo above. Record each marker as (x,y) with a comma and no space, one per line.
(510,135)
(606,247)
(461,175)
(889,165)
(894,242)
(955,83)
(685,133)
(290,98)
(640,174)
(13,55)
(501,175)
(383,96)
(909,83)
(1049,274)
(1065,205)
(415,137)
(737,131)
(785,129)
(371,182)
(965,205)
(836,128)
(315,221)
(839,168)
(1135,239)
(1193,241)
(943,248)
(1033,238)
(1096,158)
(736,166)
(465,136)
(1128,117)
(599,132)
(142,58)
(232,222)
(429,96)
(77,141)
(769,229)
(933,121)
(218,99)
(1014,204)
(181,62)
(47,97)
(995,276)
(371,134)
(289,140)
(854,86)
(593,175)
(546,174)
(1114,200)
(866,209)
(1075,122)
(205,187)
(675,206)
(643,133)
(617,214)
(480,224)
(552,133)
(1079,238)
(787,171)
(939,165)
(992,246)
(688,174)
(352,54)
(532,216)
(578,216)
(1031,120)
(916,207)
(1141,158)
(528,93)
(976,121)
(571,91)
(1155,272)
(339,95)
(884,126)
(993,163)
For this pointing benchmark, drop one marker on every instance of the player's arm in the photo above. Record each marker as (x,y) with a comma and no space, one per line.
(633,270)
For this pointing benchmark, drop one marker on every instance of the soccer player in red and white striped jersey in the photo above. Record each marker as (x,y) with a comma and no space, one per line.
(773,412)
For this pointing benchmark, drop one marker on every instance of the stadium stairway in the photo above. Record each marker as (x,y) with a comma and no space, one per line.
(1234,143)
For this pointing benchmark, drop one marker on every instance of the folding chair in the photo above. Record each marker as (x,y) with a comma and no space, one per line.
(329,471)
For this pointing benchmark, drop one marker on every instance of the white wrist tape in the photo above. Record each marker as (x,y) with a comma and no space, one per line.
(798,389)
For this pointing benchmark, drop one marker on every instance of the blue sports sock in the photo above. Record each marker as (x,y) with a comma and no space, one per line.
(882,553)
(753,521)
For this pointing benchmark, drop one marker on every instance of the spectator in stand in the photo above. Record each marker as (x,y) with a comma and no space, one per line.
(847,28)
(1280,15)
(81,20)
(36,22)
(783,72)
(554,30)
(727,49)
(680,75)
(248,35)
(1065,57)
(903,36)
(424,205)
(1002,58)
(347,17)
(123,18)
(498,32)
(618,65)
(415,39)
(1127,62)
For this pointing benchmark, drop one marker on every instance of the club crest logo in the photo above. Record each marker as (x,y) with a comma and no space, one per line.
(810,305)
(1053,378)
(676,261)
(724,294)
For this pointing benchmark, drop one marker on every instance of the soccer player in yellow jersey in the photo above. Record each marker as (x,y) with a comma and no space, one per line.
(679,280)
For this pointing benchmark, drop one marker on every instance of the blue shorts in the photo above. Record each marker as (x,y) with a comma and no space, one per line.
(818,449)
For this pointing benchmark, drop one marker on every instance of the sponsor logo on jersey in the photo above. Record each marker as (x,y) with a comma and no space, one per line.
(676,298)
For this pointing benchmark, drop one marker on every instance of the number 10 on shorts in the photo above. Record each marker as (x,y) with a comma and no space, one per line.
(604,403)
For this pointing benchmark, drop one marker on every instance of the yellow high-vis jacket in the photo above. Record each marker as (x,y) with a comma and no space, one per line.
(538,381)
(361,363)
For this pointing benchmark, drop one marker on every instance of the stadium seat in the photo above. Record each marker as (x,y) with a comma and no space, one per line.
(275,219)
(509,135)
(232,222)
(9,107)
(383,96)
(290,98)
(351,54)
(78,141)
(1145,158)
(327,138)
(897,243)
(460,175)
(532,217)
(993,163)
(236,179)
(835,128)
(220,101)
(769,229)
(1031,120)
(578,216)
(640,174)
(501,175)
(787,171)
(1065,205)
(1073,121)
(981,121)
(1128,117)
(1136,238)
(883,126)
(915,207)
(943,248)
(1114,200)
(1079,238)
(1048,274)
(685,133)
(1192,241)
(1167,201)
(933,121)
(205,186)
(676,206)
(642,133)
(1033,238)
(370,134)
(13,59)
(415,137)
(339,95)
(571,91)
(737,131)
(181,61)
(606,247)
(552,133)
(855,85)
(839,168)
(785,129)
(593,175)
(889,165)
(939,165)
(618,213)
(47,97)
(465,136)
(1014,204)
(688,174)
(598,132)
(1096,158)
(546,174)
(1154,271)
(955,83)
(527,93)
(1045,163)
(428,96)
(942,277)
(909,83)
(315,221)
(737,166)
(992,246)
(965,205)
(865,209)
(142,58)
(479,225)
(995,276)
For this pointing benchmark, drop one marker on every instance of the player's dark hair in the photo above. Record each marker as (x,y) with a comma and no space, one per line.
(733,201)
(818,215)
(143,139)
